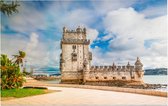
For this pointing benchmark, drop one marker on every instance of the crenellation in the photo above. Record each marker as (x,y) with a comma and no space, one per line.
(75,62)
(78,30)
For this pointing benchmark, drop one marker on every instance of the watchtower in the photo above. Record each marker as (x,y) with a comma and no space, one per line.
(75,51)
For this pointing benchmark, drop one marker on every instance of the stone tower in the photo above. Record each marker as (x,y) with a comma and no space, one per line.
(138,68)
(75,58)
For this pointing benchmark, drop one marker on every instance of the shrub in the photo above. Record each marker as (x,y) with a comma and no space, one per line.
(11,76)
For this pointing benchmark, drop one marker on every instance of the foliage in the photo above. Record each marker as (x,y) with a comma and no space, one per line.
(19,58)
(18,93)
(11,76)
(8,8)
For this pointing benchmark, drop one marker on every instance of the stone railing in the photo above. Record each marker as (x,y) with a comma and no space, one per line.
(112,68)
(75,41)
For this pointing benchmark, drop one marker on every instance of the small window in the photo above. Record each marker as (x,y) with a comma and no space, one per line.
(97,77)
(114,78)
(74,47)
(74,57)
(132,77)
(105,77)
(124,78)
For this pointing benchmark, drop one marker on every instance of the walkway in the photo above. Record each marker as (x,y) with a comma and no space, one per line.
(86,97)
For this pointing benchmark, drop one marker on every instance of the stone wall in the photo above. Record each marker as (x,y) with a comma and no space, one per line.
(71,77)
(110,73)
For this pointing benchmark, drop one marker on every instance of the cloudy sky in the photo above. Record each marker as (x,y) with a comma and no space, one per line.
(119,30)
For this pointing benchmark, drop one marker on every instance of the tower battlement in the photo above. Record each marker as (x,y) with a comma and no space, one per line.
(79,33)
(78,30)
(75,41)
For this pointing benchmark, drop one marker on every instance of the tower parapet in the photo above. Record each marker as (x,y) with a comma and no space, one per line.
(78,30)
(75,41)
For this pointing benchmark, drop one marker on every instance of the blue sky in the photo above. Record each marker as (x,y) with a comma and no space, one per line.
(119,31)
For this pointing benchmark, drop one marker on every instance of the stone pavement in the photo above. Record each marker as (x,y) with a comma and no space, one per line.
(87,97)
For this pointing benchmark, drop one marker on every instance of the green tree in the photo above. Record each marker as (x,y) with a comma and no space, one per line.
(11,76)
(8,7)
(19,58)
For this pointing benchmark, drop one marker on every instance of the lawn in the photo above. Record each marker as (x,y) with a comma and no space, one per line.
(18,93)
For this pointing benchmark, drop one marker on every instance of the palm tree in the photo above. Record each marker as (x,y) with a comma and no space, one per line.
(4,62)
(19,58)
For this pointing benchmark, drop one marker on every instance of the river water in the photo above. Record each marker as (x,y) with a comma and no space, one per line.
(155,79)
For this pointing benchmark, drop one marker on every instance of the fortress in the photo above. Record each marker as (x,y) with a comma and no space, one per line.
(75,63)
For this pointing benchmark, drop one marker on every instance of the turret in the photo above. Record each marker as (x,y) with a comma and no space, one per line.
(84,30)
(86,65)
(113,66)
(64,29)
(128,65)
(86,69)
(138,68)
(78,30)
(138,65)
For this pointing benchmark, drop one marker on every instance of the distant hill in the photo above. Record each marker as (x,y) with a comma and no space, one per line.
(56,71)
(156,71)
(48,70)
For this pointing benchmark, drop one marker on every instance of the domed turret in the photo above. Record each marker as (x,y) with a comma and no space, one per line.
(78,29)
(138,62)
(128,65)
(64,29)
(84,30)
(138,65)
(113,65)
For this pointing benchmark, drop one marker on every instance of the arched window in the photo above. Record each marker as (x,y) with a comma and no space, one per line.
(74,57)
(74,47)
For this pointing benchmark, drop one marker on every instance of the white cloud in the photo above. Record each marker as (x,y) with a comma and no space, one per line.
(70,18)
(9,43)
(132,29)
(33,41)
(27,20)
(38,53)
(126,22)
(107,37)
(92,34)
(104,6)
(155,11)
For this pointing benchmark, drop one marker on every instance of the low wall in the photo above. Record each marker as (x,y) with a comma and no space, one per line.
(117,89)
(34,83)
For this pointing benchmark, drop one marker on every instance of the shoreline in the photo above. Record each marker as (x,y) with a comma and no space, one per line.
(32,82)
(116,83)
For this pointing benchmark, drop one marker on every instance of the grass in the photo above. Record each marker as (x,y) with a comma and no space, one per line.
(18,93)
